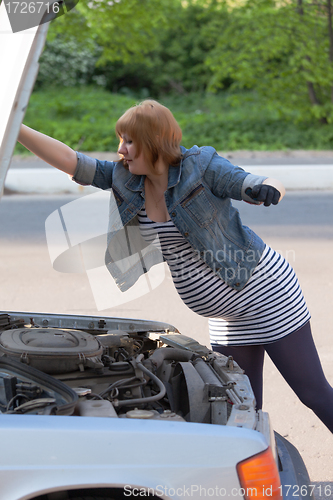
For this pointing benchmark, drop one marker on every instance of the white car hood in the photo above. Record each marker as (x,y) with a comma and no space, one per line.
(19,54)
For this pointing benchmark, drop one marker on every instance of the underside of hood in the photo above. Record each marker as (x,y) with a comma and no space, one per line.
(19,54)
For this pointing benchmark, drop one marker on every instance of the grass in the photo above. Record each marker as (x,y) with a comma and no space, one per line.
(85,118)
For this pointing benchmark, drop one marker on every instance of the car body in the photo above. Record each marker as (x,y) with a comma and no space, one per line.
(94,407)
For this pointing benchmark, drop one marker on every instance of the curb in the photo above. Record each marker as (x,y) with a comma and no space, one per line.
(52,181)
(297,177)
(43,181)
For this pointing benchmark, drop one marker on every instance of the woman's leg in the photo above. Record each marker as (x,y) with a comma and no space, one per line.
(251,359)
(296,358)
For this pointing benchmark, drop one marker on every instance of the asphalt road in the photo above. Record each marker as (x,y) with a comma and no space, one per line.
(301,228)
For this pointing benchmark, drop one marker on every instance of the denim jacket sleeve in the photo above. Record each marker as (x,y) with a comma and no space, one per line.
(90,171)
(229,181)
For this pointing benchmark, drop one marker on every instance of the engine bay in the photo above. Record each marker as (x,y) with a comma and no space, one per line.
(117,368)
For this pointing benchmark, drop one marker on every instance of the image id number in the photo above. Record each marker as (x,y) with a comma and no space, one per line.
(32,7)
(305,490)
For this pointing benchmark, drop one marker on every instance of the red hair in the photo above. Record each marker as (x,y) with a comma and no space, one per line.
(154,130)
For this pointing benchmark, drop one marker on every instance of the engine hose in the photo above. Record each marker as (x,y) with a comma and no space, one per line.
(170,353)
(206,373)
(149,399)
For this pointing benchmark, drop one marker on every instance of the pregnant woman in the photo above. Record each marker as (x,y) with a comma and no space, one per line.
(221,269)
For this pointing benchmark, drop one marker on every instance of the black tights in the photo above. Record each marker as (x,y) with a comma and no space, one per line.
(296,358)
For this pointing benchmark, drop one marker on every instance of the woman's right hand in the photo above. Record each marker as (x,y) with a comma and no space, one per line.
(48,149)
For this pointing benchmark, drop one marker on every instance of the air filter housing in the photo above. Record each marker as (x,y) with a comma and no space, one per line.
(52,350)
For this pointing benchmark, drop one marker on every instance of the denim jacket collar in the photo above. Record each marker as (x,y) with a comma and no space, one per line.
(136,182)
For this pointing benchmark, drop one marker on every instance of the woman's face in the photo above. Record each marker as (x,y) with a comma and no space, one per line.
(136,165)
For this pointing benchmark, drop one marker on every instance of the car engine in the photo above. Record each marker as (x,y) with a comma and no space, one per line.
(117,368)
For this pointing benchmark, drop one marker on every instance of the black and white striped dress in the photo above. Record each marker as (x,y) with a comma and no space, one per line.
(269,307)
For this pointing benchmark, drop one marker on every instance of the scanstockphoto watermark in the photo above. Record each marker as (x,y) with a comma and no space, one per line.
(26,14)
(123,263)
(229,264)
(119,271)
(287,490)
(224,254)
(195,490)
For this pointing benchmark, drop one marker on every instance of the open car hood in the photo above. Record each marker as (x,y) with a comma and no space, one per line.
(19,54)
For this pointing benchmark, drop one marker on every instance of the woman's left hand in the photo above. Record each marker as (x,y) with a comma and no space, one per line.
(265,194)
(271,191)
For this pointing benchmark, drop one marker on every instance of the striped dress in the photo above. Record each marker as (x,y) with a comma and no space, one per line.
(269,307)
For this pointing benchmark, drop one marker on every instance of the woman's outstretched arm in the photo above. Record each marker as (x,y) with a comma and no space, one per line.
(48,149)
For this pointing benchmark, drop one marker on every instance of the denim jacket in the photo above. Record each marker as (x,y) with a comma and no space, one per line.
(198,199)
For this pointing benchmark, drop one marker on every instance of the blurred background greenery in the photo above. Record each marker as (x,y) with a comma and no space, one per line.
(246,74)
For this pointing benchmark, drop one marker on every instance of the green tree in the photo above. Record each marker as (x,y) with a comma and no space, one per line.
(124,29)
(67,63)
(282,49)
(183,48)
(145,52)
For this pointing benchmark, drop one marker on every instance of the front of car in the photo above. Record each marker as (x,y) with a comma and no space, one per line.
(128,406)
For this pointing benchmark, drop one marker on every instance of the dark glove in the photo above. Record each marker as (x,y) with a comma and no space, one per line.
(264,193)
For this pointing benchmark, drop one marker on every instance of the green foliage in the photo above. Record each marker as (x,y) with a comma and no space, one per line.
(213,120)
(82,118)
(164,50)
(124,29)
(85,118)
(280,49)
(67,63)
(176,63)
(183,48)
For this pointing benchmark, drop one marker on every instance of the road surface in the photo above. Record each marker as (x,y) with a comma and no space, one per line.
(301,228)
